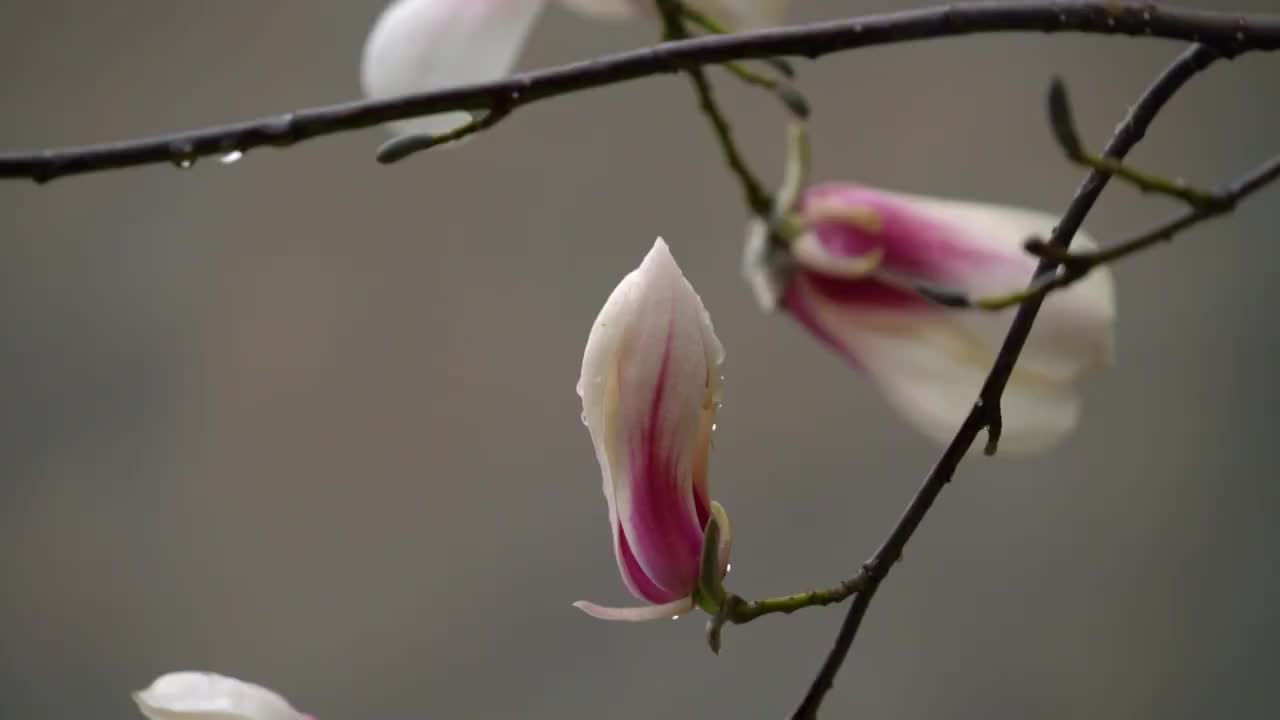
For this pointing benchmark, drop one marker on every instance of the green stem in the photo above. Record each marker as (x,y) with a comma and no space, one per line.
(1062,122)
(757,198)
(1149,183)
(746,611)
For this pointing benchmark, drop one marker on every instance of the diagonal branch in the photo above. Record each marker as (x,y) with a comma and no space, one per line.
(985,413)
(1228,33)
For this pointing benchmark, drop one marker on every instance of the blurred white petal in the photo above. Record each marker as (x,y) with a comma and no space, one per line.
(421,45)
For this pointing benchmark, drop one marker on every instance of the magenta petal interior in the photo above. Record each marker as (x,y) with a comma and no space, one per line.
(665,519)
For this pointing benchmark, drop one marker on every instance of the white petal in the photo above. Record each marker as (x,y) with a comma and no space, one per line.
(1074,332)
(931,369)
(421,45)
(209,696)
(636,614)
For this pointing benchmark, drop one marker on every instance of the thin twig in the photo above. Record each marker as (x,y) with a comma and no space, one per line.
(1076,266)
(985,411)
(1228,32)
(781,88)
(757,198)
(1062,121)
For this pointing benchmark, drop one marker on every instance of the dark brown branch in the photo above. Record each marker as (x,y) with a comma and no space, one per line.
(1228,33)
(985,413)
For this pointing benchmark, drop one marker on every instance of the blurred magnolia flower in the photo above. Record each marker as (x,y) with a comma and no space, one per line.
(421,45)
(849,276)
(650,389)
(209,696)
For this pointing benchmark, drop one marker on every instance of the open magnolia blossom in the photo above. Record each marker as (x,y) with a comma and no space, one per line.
(650,389)
(209,696)
(849,279)
(421,45)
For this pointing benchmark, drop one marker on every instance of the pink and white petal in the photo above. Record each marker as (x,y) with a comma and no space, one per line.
(663,369)
(421,45)
(636,614)
(931,370)
(973,248)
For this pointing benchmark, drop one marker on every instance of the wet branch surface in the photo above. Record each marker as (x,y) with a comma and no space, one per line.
(1226,32)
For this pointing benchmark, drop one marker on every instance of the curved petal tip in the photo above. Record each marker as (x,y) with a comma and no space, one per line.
(636,614)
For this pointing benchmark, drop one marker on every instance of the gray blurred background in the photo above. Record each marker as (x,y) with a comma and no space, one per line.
(311,421)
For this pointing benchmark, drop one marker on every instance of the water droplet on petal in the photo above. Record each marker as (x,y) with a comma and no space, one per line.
(675,617)
(231,157)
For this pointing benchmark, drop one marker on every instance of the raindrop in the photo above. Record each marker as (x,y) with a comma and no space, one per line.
(1146,16)
(1062,18)
(713,427)
(675,617)
(184,162)
(231,157)
(728,567)
(1111,22)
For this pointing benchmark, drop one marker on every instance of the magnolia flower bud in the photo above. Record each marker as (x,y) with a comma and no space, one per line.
(204,695)
(734,15)
(849,276)
(421,45)
(650,389)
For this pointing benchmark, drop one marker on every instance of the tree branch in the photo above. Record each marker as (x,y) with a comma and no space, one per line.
(985,413)
(1077,265)
(1228,33)
(757,198)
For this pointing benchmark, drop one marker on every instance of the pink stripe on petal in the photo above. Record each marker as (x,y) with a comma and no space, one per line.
(798,301)
(914,243)
(666,534)
(633,575)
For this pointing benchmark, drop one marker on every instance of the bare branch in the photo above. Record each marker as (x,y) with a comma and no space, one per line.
(1228,33)
(985,413)
(757,198)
